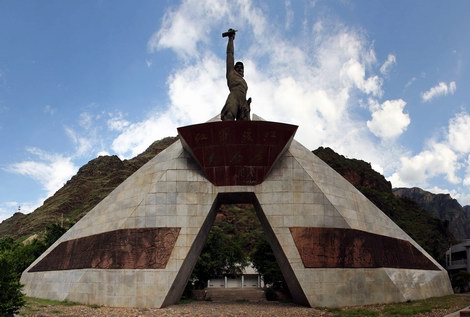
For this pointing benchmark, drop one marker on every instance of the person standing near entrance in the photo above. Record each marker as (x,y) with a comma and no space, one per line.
(236,107)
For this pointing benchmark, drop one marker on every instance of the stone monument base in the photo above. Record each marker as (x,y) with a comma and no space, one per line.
(138,247)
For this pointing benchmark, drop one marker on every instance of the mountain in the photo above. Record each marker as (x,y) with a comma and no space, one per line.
(99,177)
(93,182)
(430,232)
(442,206)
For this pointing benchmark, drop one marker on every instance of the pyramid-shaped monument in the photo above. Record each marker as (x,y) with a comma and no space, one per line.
(138,247)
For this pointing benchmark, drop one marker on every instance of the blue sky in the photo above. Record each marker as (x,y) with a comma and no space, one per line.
(383,81)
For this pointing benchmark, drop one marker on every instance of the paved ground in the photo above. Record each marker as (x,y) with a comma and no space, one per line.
(235,309)
(200,309)
(196,309)
(457,313)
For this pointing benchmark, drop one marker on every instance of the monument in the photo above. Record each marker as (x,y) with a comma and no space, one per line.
(237,106)
(138,247)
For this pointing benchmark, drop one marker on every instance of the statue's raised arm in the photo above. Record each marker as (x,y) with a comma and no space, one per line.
(230,50)
(236,106)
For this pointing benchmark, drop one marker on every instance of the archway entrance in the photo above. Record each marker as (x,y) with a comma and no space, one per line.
(248,200)
(236,262)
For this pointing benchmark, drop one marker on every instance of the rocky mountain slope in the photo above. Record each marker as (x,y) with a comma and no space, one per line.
(93,182)
(442,206)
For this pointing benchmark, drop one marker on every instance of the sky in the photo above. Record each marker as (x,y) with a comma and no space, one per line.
(382,81)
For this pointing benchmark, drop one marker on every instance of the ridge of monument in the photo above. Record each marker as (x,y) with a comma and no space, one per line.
(139,245)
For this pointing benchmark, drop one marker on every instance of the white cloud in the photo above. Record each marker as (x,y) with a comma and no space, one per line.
(461,196)
(355,72)
(445,156)
(198,92)
(116,122)
(459,132)
(138,136)
(88,136)
(85,120)
(410,82)
(184,27)
(83,145)
(442,89)
(102,153)
(466,180)
(388,120)
(438,159)
(8,208)
(387,65)
(50,170)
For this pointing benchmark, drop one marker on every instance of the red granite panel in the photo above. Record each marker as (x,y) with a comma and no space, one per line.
(350,248)
(144,248)
(220,175)
(236,152)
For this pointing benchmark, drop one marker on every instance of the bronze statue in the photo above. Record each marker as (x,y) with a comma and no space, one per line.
(236,107)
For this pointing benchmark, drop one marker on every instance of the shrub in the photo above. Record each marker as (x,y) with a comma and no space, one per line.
(11,298)
(270,294)
(461,281)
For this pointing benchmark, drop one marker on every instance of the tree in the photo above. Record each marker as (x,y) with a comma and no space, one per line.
(25,254)
(11,298)
(265,263)
(223,254)
(53,232)
(15,257)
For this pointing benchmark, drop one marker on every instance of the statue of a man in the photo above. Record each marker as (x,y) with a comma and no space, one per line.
(236,106)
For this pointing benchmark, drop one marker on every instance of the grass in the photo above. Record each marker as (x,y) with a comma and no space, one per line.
(353,312)
(94,306)
(56,311)
(38,304)
(49,302)
(412,308)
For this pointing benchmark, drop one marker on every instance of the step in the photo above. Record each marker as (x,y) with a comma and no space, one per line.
(235,294)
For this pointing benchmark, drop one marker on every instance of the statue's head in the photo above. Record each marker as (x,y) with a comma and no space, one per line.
(239,68)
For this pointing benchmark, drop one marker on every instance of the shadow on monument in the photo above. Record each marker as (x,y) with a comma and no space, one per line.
(199,263)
